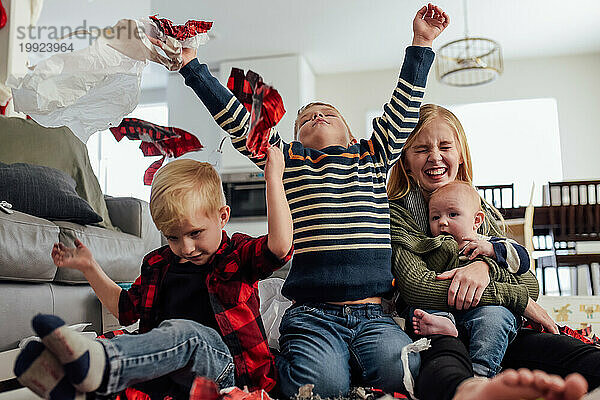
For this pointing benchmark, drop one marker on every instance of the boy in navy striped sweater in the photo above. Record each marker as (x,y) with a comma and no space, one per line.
(336,333)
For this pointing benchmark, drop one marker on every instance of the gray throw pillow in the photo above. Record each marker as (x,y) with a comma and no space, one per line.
(44,192)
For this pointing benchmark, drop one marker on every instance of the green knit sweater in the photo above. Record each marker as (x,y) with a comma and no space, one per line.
(417,259)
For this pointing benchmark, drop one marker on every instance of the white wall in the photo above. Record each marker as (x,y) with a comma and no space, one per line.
(574,81)
(187,112)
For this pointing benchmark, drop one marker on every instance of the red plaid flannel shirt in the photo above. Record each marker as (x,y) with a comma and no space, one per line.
(232,285)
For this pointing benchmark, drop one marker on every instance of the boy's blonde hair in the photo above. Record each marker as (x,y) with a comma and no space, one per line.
(182,188)
(464,187)
(319,103)
(399,182)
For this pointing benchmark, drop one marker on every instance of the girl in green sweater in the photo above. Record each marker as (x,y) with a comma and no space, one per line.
(435,154)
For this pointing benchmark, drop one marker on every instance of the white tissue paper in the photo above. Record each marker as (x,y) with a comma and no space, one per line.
(76,328)
(272,307)
(92,89)
(416,347)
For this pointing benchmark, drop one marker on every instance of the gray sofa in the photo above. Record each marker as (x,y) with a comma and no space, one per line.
(30,283)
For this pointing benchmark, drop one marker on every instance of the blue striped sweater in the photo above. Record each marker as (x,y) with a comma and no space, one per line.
(337,195)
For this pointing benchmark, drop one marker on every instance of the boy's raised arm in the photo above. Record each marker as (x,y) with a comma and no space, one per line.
(401,113)
(279,217)
(81,259)
(429,22)
(225,108)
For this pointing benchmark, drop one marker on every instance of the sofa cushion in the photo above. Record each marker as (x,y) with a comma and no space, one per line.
(76,304)
(20,303)
(132,216)
(26,141)
(119,254)
(44,192)
(25,245)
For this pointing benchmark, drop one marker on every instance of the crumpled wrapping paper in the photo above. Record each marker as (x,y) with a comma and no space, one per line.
(156,140)
(264,104)
(92,89)
(5,93)
(272,307)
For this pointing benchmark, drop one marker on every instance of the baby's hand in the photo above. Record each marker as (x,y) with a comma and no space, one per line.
(477,247)
(79,258)
(275,164)
(429,22)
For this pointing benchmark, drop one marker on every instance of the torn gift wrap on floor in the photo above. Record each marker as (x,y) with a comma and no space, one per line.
(92,89)
(205,389)
(3,16)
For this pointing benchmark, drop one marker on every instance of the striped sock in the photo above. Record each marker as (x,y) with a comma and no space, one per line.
(83,359)
(38,369)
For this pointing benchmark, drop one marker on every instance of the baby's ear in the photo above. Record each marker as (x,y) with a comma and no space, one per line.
(479,217)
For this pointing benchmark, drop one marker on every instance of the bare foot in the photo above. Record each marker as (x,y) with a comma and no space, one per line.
(425,324)
(523,384)
(575,387)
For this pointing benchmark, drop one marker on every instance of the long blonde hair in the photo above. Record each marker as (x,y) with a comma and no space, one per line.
(399,181)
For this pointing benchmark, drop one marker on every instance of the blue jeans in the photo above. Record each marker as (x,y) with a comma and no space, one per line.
(490,329)
(331,346)
(180,348)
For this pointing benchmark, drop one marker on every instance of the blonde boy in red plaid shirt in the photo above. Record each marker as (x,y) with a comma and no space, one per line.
(196,298)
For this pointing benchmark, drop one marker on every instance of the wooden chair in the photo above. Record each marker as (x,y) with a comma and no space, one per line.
(575,209)
(521,229)
(500,196)
(574,216)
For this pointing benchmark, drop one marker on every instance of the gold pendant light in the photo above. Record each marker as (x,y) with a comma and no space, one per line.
(469,61)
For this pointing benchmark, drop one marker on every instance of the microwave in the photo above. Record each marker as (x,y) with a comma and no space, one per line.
(245,194)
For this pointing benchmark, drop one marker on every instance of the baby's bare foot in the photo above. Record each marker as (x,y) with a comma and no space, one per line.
(425,324)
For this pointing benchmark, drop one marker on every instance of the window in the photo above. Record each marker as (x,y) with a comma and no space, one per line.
(513,141)
(120,166)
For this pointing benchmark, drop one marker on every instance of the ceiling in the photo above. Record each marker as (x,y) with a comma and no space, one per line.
(352,35)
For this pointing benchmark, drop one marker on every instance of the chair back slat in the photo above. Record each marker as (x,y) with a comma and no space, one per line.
(574,210)
(596,217)
(500,196)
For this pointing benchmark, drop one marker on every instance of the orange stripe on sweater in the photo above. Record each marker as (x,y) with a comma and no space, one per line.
(347,155)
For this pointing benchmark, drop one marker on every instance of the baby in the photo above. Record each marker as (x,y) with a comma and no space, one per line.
(455,209)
